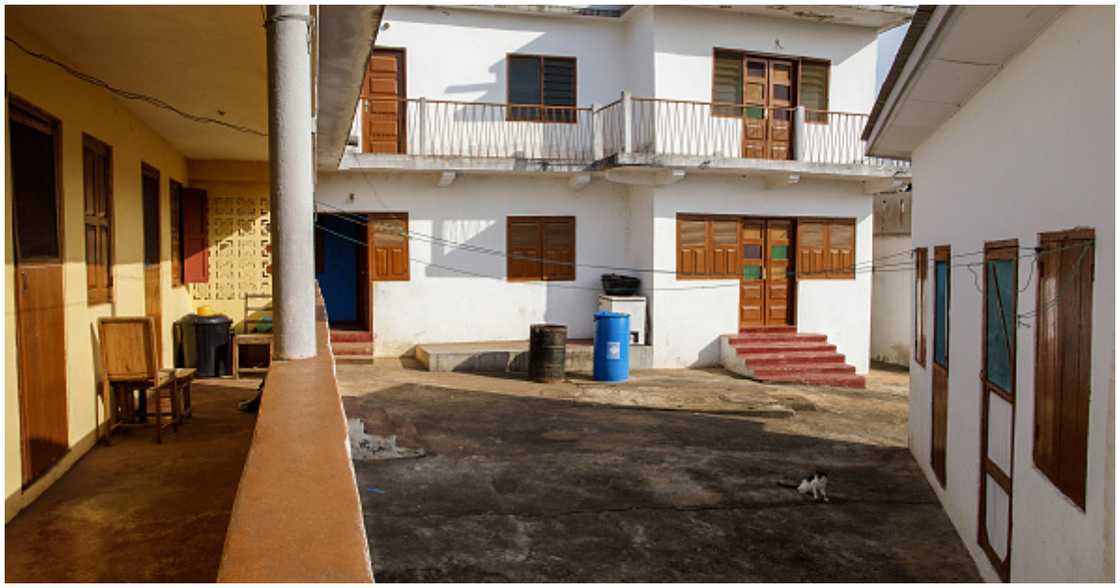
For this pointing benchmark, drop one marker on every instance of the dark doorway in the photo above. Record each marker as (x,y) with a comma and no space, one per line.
(341,268)
(40,309)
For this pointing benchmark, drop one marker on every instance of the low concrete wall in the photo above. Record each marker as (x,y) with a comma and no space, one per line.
(512,356)
(298,516)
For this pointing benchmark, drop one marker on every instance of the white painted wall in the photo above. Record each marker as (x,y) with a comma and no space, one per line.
(1032,151)
(443,305)
(687,323)
(891,316)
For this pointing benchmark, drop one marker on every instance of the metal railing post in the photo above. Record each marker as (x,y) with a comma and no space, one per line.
(422,122)
(627,123)
(799,134)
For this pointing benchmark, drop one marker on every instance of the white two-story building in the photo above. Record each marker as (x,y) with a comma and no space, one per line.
(504,158)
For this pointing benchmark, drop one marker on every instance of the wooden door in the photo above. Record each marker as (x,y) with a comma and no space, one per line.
(768,92)
(997,405)
(40,309)
(149,179)
(939,427)
(383,119)
(765,280)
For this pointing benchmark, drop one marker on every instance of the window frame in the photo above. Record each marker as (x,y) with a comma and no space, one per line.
(709,246)
(573,118)
(921,283)
(999,251)
(541,221)
(99,295)
(942,253)
(1076,494)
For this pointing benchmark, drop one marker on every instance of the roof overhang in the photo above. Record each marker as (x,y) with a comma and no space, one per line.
(346,37)
(880,18)
(948,55)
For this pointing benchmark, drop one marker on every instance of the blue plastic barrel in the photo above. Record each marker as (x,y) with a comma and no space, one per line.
(612,346)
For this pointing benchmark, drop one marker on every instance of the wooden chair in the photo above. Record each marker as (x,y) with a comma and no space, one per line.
(131,363)
(254,303)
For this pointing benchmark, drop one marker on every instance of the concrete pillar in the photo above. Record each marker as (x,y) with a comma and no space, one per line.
(290,169)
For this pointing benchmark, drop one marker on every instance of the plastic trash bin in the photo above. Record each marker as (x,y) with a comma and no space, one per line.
(210,335)
(612,347)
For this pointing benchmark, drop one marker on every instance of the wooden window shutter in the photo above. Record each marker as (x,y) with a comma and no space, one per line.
(1062,360)
(812,238)
(692,247)
(921,268)
(724,248)
(559,245)
(841,249)
(195,235)
(727,83)
(388,239)
(176,236)
(96,175)
(523,243)
(813,90)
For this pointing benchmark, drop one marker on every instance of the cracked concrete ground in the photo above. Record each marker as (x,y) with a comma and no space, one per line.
(654,480)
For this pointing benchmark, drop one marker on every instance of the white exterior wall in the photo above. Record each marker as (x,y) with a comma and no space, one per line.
(441,305)
(1032,151)
(687,323)
(891,292)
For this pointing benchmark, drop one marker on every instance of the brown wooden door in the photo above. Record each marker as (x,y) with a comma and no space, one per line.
(383,115)
(765,280)
(939,428)
(768,92)
(40,309)
(152,296)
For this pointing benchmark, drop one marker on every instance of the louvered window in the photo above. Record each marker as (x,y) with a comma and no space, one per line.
(542,89)
(541,248)
(707,247)
(814,90)
(826,249)
(727,84)
(97,174)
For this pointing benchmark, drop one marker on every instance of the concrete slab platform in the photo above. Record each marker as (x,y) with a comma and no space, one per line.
(513,356)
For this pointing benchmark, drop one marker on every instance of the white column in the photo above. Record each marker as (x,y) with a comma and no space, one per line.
(290,169)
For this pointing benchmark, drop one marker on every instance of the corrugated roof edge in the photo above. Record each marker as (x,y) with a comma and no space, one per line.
(917,26)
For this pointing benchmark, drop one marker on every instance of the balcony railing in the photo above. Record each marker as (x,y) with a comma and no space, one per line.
(628,126)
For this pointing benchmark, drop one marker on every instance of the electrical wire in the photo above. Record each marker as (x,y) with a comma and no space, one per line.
(131,95)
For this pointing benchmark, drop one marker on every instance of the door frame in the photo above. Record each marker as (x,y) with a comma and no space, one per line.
(149,171)
(791,273)
(364,293)
(996,250)
(402,97)
(31,115)
(941,372)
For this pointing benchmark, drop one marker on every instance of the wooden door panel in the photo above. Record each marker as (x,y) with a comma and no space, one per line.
(778,248)
(940,421)
(383,128)
(153,306)
(752,285)
(41,346)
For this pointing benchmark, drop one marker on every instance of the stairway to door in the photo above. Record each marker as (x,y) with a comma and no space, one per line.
(780,354)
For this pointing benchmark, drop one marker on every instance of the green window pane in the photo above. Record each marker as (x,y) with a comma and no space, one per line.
(779,251)
(752,272)
(1000,328)
(756,112)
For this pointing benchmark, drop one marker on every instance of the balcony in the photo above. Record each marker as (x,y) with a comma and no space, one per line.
(441,135)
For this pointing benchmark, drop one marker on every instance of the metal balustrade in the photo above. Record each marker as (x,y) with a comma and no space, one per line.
(629,125)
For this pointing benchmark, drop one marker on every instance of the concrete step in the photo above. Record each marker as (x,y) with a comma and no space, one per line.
(818,379)
(770,329)
(783,347)
(757,360)
(363,348)
(776,371)
(347,336)
(354,359)
(778,338)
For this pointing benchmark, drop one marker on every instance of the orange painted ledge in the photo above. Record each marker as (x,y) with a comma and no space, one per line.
(297,516)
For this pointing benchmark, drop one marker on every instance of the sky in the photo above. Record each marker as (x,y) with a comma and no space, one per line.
(888,46)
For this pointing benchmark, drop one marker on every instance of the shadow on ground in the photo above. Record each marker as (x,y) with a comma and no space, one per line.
(526,489)
(136,511)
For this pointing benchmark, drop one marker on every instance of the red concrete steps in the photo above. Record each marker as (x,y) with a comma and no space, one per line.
(780,354)
(352,346)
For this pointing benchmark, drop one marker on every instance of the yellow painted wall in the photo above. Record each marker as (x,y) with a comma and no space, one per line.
(238,204)
(83,108)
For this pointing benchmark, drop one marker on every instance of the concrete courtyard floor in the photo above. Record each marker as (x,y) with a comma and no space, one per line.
(669,477)
(136,511)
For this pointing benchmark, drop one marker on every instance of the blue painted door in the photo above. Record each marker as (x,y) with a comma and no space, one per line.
(342,239)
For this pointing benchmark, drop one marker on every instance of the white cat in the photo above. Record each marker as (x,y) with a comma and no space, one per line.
(817,484)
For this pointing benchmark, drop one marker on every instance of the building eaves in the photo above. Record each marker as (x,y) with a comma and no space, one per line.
(918,25)
(600,11)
